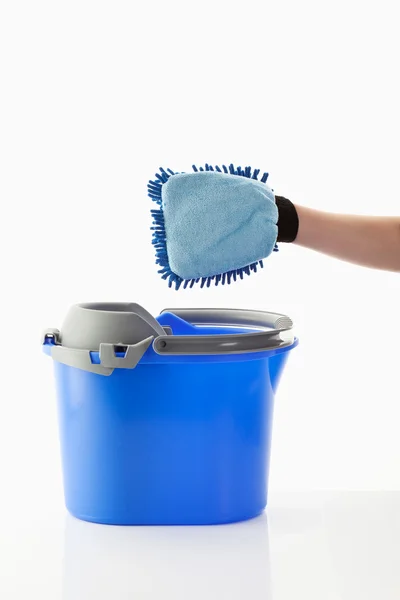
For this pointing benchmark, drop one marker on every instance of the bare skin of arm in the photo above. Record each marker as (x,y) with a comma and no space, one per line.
(372,242)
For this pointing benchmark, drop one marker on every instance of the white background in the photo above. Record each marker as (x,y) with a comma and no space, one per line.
(95,96)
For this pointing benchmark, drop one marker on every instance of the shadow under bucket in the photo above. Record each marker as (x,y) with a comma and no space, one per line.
(167,421)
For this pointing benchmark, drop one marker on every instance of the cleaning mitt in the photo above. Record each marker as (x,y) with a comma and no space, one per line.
(215,225)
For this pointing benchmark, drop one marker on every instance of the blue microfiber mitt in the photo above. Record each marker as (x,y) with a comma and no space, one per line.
(212,225)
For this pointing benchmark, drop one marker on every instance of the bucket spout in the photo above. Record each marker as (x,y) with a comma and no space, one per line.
(276,367)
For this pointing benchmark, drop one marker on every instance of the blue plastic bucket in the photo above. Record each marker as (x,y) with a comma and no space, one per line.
(180,439)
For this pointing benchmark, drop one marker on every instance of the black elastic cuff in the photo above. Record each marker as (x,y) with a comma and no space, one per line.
(288,220)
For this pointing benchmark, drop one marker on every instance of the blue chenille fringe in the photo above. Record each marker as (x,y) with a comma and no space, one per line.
(159,236)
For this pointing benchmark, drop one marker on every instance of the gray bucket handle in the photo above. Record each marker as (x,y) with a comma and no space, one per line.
(274,324)
(272,338)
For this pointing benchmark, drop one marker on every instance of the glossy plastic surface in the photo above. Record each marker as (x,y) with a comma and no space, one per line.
(169,443)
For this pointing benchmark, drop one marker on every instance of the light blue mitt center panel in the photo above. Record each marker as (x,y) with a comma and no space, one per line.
(217,222)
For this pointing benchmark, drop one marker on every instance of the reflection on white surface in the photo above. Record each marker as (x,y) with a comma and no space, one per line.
(103,563)
(312,546)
